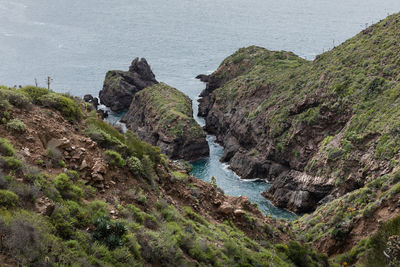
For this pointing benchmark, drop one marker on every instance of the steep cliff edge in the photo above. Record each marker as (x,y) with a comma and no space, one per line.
(120,86)
(315,129)
(163,116)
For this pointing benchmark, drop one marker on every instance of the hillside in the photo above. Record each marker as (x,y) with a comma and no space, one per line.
(325,133)
(325,127)
(76,191)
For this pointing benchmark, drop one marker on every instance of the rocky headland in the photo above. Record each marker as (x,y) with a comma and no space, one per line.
(315,129)
(120,86)
(163,116)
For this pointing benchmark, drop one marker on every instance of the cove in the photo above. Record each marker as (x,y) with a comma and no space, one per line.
(227,179)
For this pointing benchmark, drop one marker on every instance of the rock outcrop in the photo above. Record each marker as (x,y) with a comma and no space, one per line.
(315,129)
(120,86)
(163,116)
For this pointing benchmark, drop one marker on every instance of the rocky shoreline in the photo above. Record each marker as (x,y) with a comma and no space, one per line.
(259,106)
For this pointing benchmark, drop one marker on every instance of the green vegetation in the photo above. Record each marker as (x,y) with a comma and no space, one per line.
(8,199)
(16,126)
(75,228)
(114,158)
(135,166)
(68,106)
(6,149)
(174,110)
(356,82)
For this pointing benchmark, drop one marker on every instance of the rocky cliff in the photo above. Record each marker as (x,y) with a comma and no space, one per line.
(120,86)
(163,116)
(315,129)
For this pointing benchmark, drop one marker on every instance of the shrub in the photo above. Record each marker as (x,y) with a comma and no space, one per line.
(62,164)
(31,173)
(303,257)
(8,199)
(25,192)
(67,106)
(27,237)
(35,93)
(114,158)
(3,180)
(108,232)
(55,155)
(11,163)
(62,221)
(7,115)
(72,175)
(97,209)
(104,138)
(15,98)
(378,243)
(135,166)
(16,126)
(139,148)
(341,231)
(6,148)
(4,105)
(131,242)
(66,188)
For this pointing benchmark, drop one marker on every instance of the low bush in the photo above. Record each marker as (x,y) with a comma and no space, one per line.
(27,237)
(114,158)
(66,188)
(135,166)
(16,126)
(67,106)
(55,156)
(8,199)
(11,163)
(6,148)
(15,98)
(25,192)
(35,93)
(108,232)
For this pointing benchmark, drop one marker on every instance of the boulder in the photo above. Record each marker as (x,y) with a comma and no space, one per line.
(92,100)
(120,86)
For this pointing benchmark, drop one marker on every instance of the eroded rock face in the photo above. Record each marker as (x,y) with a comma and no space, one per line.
(163,116)
(298,191)
(285,125)
(120,86)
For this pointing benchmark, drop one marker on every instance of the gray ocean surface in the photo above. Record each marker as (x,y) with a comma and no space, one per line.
(77,42)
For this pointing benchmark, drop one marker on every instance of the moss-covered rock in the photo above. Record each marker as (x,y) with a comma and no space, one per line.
(163,116)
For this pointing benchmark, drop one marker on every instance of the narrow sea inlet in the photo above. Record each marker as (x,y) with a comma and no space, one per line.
(231,183)
(227,179)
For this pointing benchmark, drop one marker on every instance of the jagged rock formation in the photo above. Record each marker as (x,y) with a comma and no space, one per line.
(163,116)
(315,129)
(120,86)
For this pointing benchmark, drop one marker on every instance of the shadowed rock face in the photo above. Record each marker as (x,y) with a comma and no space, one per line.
(163,116)
(120,86)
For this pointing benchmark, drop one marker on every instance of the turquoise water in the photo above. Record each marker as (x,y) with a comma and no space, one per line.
(76,42)
(232,184)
